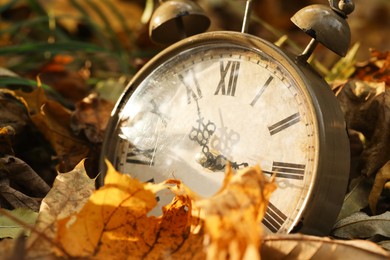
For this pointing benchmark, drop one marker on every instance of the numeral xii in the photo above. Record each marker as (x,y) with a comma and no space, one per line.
(228,80)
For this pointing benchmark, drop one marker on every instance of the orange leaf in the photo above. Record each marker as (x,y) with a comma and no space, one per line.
(233,216)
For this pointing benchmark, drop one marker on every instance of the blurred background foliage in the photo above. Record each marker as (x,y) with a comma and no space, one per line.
(108,39)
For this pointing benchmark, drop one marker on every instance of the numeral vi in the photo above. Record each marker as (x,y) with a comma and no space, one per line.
(232,69)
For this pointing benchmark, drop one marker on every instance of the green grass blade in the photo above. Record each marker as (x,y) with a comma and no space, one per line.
(56,47)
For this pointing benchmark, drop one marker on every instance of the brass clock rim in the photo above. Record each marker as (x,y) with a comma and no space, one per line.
(328,131)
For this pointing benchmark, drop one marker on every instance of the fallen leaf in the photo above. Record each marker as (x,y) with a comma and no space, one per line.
(381,178)
(362,226)
(385,244)
(13,120)
(21,174)
(11,229)
(298,246)
(376,69)
(233,216)
(16,199)
(13,248)
(91,117)
(68,195)
(113,222)
(53,121)
(357,198)
(366,106)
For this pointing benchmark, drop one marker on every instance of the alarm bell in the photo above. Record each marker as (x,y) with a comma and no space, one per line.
(175,20)
(327,25)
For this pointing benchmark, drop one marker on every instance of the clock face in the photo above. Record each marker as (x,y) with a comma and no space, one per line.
(222,97)
(218,102)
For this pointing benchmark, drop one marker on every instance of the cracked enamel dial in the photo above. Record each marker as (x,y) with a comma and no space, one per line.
(211,100)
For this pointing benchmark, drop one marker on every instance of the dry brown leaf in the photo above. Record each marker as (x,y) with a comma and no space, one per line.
(233,216)
(68,195)
(91,117)
(53,121)
(377,69)
(381,178)
(366,107)
(21,174)
(13,120)
(297,246)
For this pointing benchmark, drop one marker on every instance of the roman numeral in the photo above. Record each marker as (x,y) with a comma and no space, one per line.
(274,218)
(261,90)
(233,67)
(140,156)
(283,124)
(190,82)
(287,170)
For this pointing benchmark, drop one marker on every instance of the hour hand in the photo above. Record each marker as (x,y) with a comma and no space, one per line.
(215,161)
(203,132)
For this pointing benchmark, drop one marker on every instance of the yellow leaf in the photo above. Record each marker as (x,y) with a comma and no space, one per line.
(233,216)
(114,223)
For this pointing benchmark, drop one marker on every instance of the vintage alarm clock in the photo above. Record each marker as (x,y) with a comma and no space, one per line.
(224,96)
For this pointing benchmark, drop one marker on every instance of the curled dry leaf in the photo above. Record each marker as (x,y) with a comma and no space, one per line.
(366,108)
(24,176)
(68,195)
(13,120)
(20,185)
(297,246)
(233,216)
(381,178)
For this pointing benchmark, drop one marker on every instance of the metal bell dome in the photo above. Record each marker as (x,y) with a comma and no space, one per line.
(175,20)
(326,26)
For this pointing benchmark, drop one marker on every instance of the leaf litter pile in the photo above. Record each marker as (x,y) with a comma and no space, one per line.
(54,116)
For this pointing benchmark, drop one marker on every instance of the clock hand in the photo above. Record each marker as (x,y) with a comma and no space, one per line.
(202,134)
(216,162)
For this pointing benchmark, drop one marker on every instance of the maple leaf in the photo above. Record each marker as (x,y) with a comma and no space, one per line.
(114,222)
(68,195)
